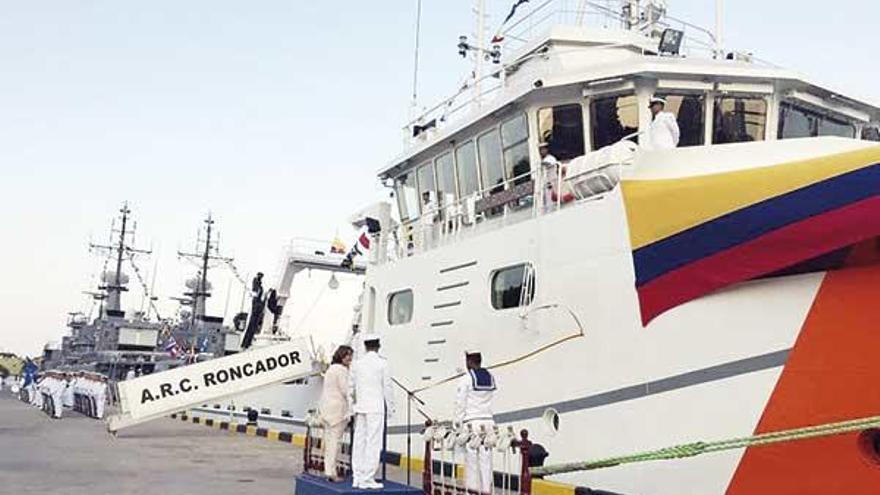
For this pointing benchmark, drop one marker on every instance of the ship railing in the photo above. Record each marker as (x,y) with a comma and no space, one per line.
(539,191)
(536,19)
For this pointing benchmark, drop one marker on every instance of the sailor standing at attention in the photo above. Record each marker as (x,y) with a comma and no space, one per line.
(473,409)
(663,133)
(370,395)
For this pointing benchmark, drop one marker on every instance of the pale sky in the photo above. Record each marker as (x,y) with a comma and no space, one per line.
(272,115)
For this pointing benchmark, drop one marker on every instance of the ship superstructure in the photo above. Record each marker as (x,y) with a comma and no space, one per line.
(553,272)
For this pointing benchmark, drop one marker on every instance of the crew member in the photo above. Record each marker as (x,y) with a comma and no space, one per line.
(370,396)
(663,133)
(99,396)
(550,169)
(334,407)
(473,408)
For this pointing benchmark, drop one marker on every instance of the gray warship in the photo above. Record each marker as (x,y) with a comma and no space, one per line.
(116,342)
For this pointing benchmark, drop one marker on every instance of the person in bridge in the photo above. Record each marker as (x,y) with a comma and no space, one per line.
(334,407)
(370,396)
(663,132)
(475,391)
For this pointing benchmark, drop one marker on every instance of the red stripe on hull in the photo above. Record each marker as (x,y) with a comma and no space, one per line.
(771,252)
(832,374)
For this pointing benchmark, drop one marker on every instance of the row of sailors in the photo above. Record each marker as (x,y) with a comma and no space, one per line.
(82,392)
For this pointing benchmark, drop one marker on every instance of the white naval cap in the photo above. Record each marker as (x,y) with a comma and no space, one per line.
(657,99)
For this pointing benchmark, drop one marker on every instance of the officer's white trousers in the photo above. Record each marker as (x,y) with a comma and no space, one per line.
(99,401)
(367,447)
(478,462)
(57,403)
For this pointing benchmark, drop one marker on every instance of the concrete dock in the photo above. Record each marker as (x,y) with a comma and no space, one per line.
(76,456)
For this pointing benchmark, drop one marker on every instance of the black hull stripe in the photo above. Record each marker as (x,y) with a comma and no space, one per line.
(689,379)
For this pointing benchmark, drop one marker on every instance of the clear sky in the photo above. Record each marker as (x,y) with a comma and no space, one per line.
(272,115)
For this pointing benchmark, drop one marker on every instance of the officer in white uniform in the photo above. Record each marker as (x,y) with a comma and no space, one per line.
(663,133)
(473,409)
(370,395)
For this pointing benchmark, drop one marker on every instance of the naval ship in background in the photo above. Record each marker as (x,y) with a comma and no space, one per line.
(116,341)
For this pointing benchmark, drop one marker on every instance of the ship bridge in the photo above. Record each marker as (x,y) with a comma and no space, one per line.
(580,81)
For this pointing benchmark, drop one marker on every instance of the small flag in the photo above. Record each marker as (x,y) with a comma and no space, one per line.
(172,347)
(498,38)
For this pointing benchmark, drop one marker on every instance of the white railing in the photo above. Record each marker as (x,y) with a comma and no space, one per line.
(537,192)
(537,18)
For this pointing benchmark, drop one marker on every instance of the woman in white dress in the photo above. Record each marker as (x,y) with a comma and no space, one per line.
(334,407)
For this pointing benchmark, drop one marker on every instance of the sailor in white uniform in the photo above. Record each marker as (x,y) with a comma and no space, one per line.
(99,396)
(370,396)
(473,409)
(663,133)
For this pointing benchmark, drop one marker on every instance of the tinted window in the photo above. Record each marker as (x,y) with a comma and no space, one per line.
(871,133)
(562,128)
(514,136)
(514,130)
(507,287)
(739,119)
(426,181)
(795,122)
(466,164)
(400,307)
(407,198)
(688,111)
(489,146)
(612,118)
(831,127)
(445,166)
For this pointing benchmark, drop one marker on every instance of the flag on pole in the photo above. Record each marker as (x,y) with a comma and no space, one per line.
(498,38)
(172,347)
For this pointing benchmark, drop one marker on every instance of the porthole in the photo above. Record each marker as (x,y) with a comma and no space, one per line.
(551,421)
(869,445)
(400,307)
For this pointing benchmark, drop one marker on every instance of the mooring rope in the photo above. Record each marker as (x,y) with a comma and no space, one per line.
(698,448)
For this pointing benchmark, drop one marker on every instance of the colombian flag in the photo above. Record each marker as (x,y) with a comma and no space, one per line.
(694,235)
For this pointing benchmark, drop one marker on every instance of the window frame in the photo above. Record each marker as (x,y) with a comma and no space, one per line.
(763,97)
(493,276)
(473,142)
(585,138)
(591,145)
(451,154)
(506,147)
(389,299)
(419,191)
(704,97)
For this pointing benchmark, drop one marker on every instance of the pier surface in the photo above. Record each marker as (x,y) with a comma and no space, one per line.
(76,456)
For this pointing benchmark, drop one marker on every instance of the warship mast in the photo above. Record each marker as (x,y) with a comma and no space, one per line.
(201,292)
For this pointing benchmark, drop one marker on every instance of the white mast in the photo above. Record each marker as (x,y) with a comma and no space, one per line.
(480,11)
(718,43)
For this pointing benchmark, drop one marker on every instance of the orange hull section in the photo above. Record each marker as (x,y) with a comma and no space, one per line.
(832,374)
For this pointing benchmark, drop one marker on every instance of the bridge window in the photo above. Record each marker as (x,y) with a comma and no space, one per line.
(445,165)
(489,145)
(400,307)
(562,128)
(407,198)
(514,137)
(513,286)
(689,112)
(796,121)
(871,133)
(739,119)
(466,165)
(612,118)
(832,127)
(427,187)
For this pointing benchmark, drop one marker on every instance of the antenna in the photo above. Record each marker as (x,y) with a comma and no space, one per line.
(200,293)
(122,247)
(414,103)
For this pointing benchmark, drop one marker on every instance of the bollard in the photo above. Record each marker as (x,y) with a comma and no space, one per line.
(525,477)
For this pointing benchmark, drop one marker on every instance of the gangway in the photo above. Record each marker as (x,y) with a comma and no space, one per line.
(156,395)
